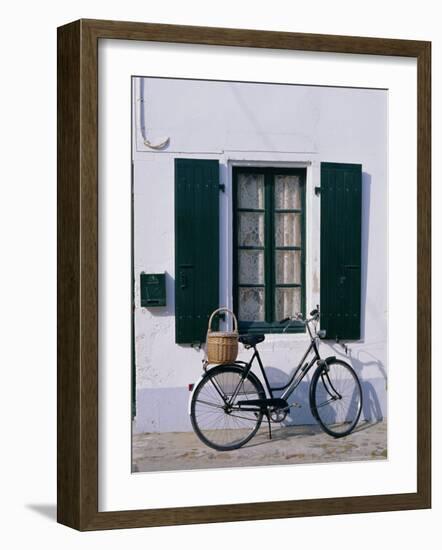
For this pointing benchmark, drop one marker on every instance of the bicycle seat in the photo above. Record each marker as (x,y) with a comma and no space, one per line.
(251,339)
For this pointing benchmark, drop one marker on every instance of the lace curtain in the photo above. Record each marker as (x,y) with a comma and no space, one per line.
(251,232)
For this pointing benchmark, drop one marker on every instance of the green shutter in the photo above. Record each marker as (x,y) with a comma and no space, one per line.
(341,202)
(196,247)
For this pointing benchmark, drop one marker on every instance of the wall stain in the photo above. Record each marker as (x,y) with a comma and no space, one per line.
(315,282)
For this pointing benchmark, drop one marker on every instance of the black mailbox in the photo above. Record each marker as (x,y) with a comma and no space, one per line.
(153,289)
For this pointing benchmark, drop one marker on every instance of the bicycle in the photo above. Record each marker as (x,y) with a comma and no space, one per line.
(229,402)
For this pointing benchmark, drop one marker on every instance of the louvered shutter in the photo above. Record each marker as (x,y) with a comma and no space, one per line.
(196,247)
(341,209)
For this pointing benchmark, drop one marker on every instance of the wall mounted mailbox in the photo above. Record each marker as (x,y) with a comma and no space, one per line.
(153,289)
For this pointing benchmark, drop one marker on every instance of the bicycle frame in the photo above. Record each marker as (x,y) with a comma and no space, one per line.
(258,398)
(300,371)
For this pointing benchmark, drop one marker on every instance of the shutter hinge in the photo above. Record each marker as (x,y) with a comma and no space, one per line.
(317,191)
(222,187)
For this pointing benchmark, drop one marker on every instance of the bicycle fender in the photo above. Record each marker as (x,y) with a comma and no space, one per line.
(311,396)
(326,361)
(321,364)
(197,383)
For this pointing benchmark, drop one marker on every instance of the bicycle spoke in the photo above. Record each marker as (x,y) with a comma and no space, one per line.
(209,404)
(337,399)
(326,402)
(220,392)
(250,418)
(213,413)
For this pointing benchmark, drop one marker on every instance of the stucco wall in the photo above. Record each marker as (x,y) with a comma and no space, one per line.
(239,123)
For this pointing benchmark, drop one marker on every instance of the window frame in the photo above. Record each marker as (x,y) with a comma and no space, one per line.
(269,172)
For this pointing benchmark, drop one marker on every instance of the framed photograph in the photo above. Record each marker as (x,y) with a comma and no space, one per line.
(243,274)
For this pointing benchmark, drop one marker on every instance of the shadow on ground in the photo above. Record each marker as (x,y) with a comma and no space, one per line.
(289,445)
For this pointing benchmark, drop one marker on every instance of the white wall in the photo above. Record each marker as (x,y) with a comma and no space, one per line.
(252,123)
(29,458)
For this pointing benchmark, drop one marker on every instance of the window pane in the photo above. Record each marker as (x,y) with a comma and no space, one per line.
(251,191)
(287,302)
(288,266)
(251,267)
(251,229)
(288,229)
(287,192)
(251,304)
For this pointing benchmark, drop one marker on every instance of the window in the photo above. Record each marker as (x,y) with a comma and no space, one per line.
(269,247)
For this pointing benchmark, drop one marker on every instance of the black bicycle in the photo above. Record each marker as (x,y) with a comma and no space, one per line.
(229,402)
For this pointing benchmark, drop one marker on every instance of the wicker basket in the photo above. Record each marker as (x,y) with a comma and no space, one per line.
(222,347)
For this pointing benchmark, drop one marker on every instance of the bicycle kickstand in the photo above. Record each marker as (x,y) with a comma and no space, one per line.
(270,424)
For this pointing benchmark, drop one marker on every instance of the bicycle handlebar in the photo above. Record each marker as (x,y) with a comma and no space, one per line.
(298,317)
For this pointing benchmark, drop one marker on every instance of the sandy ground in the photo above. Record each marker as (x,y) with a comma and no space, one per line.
(289,445)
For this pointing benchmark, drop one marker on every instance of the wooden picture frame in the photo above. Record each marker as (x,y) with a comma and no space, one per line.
(78,274)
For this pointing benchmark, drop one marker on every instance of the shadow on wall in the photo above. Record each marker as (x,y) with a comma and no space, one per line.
(365,223)
(371,404)
(300,414)
(373,408)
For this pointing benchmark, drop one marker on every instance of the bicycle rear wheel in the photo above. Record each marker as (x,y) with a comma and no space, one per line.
(216,418)
(336,398)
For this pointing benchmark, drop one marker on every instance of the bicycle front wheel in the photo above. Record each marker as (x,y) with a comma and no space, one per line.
(216,418)
(336,398)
